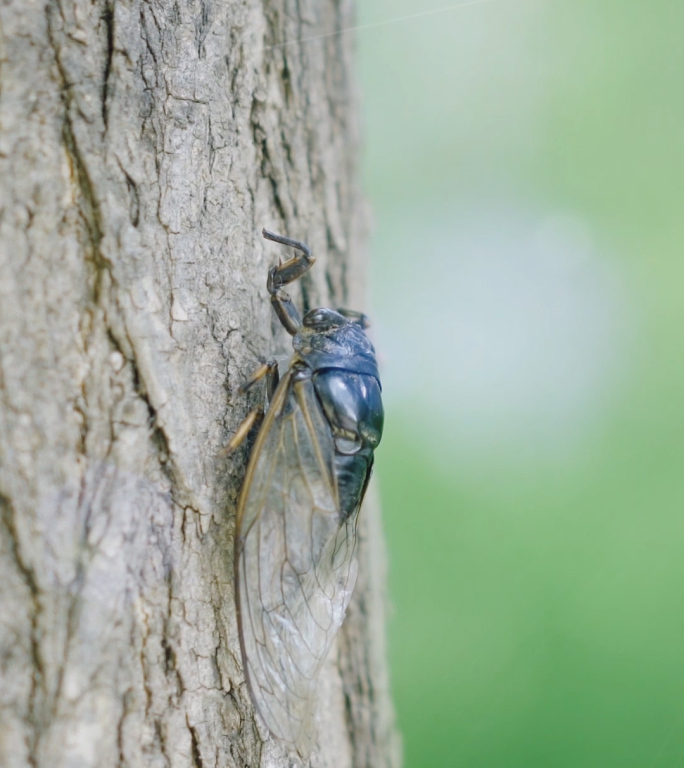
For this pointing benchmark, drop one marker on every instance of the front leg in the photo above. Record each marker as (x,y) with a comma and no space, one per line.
(284,274)
(287,312)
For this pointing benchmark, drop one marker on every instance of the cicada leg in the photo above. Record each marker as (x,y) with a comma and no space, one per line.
(254,417)
(269,371)
(358,318)
(284,274)
(288,315)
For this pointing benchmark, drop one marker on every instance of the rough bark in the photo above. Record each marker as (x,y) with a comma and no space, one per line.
(143,145)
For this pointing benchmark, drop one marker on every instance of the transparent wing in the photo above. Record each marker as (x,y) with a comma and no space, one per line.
(295,567)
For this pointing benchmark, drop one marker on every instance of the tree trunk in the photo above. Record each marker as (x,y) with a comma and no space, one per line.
(143,146)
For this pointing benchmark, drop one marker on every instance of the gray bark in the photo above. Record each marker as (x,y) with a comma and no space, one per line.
(143,145)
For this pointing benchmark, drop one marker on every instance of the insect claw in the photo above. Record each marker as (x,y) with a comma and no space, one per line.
(267,369)
(227,450)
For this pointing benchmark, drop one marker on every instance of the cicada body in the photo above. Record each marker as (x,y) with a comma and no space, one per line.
(297,515)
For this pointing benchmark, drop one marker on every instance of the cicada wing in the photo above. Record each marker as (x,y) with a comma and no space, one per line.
(295,567)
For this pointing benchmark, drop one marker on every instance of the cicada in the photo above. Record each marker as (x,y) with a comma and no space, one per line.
(308,472)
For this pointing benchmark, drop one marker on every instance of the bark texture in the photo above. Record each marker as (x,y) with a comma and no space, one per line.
(143,145)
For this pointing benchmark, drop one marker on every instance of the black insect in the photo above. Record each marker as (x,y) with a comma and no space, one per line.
(297,516)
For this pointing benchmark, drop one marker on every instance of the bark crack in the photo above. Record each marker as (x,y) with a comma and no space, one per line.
(89,208)
(108,19)
(196,755)
(7,518)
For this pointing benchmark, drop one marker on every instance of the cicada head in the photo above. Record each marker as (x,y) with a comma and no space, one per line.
(327,339)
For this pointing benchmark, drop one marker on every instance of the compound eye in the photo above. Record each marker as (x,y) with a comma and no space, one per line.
(323,319)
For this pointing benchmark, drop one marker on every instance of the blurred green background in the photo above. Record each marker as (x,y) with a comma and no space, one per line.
(525,163)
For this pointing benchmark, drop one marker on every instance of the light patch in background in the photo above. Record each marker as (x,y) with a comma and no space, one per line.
(505,335)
